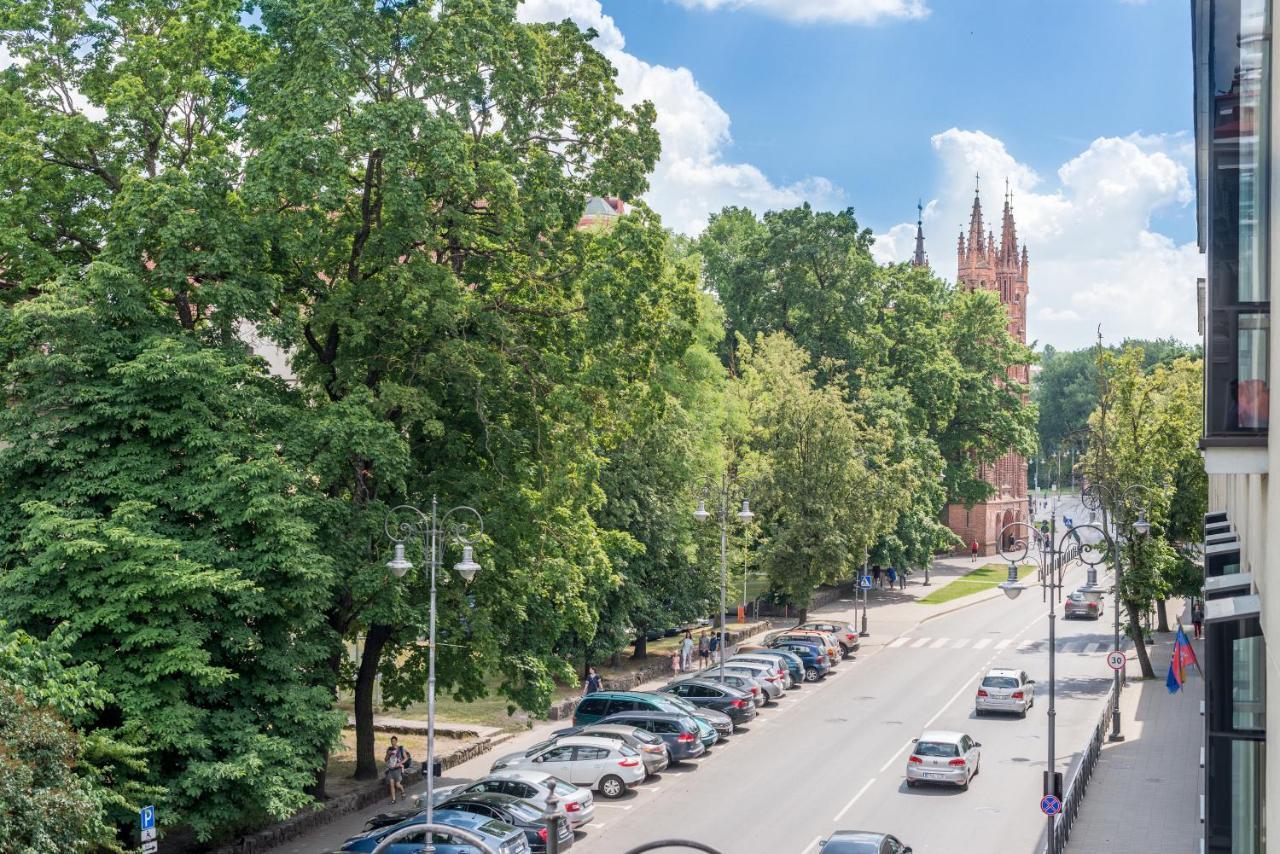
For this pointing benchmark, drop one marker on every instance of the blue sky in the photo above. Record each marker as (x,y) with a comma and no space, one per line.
(1085,105)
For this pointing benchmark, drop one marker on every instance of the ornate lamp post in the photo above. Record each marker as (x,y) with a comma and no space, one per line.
(1057,555)
(724,494)
(1100,497)
(402,523)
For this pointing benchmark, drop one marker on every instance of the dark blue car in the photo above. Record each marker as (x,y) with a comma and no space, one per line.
(498,835)
(816,664)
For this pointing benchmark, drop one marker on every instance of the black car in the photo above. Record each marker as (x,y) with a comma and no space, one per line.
(677,730)
(706,694)
(513,811)
(862,842)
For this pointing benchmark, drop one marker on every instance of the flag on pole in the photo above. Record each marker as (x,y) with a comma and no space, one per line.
(1183,654)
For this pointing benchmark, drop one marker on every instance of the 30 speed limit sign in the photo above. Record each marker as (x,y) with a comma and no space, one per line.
(1115,658)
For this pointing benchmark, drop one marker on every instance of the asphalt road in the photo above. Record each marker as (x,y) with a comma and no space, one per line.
(831,756)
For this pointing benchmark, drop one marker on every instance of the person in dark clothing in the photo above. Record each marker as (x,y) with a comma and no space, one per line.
(594,683)
(875,576)
(1197,616)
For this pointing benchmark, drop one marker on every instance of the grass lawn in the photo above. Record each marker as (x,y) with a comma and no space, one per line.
(984,578)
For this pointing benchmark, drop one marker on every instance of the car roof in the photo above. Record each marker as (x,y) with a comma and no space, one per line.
(483,797)
(621,729)
(940,735)
(612,694)
(457,818)
(710,683)
(525,775)
(858,836)
(1004,671)
(645,714)
(586,741)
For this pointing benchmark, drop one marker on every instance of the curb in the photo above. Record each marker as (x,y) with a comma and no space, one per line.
(978,601)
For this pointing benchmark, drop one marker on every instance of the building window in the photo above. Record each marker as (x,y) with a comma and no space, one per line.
(1239,298)
(1235,743)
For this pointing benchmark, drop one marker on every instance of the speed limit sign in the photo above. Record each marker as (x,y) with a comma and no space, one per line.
(1116,659)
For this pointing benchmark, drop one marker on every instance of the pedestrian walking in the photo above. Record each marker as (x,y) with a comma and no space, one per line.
(1197,616)
(893,577)
(715,647)
(973,552)
(686,652)
(394,759)
(875,576)
(902,580)
(593,683)
(704,649)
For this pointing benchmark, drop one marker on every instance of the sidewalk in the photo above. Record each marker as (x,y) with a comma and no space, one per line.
(1145,794)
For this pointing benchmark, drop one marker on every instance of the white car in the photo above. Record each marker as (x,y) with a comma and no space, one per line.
(946,758)
(1005,690)
(768,661)
(575,804)
(768,677)
(602,764)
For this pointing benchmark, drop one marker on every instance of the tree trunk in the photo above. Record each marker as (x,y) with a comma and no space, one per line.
(802,614)
(370,656)
(1140,643)
(642,644)
(1162,617)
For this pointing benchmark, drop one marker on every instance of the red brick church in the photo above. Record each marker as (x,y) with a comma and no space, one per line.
(981,262)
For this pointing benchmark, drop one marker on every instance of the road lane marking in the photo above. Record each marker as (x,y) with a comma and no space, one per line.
(1026,645)
(981,643)
(1092,648)
(618,806)
(854,799)
(954,697)
(920,643)
(894,757)
(1004,643)
(896,643)
(960,644)
(940,643)
(810,846)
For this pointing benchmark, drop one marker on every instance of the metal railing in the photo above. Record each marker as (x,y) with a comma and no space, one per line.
(1073,797)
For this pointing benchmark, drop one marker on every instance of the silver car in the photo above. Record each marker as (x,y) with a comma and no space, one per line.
(768,676)
(652,749)
(1083,603)
(610,767)
(946,758)
(1005,690)
(768,661)
(575,804)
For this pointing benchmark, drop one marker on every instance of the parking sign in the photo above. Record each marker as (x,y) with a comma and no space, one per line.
(147,817)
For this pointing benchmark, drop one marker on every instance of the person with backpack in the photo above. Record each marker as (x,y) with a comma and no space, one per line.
(396,758)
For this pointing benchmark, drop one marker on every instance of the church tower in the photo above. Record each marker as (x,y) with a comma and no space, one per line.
(1002,268)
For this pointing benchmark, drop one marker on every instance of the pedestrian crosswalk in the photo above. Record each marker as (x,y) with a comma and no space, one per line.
(1066,646)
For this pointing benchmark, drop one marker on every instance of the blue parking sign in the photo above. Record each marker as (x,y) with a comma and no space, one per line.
(147,817)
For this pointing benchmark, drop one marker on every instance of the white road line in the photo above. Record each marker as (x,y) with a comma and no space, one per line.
(1026,645)
(960,644)
(1093,647)
(810,846)
(854,799)
(897,642)
(981,643)
(894,757)
(954,697)
(940,643)
(920,643)
(1003,643)
(618,806)
(1069,648)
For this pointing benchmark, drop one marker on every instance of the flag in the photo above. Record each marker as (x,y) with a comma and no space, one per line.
(1183,654)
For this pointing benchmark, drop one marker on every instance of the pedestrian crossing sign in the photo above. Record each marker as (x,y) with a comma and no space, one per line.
(865,582)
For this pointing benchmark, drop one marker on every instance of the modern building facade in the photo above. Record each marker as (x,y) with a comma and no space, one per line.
(1002,268)
(1236,185)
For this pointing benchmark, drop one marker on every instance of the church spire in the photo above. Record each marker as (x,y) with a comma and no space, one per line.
(919,259)
(1008,231)
(975,222)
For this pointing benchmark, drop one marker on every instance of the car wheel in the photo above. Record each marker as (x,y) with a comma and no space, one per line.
(911,784)
(1023,713)
(845,652)
(977,713)
(964,787)
(811,674)
(612,787)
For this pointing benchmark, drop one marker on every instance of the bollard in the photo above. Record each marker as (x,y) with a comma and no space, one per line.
(553,819)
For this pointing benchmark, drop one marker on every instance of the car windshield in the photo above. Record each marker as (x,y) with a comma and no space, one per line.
(627,751)
(681,703)
(1077,597)
(999,682)
(563,787)
(851,846)
(941,749)
(524,812)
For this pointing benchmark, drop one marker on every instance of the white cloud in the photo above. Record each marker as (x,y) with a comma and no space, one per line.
(695,176)
(810,11)
(1094,256)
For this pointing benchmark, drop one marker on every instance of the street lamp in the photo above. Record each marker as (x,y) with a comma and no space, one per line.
(726,492)
(1098,496)
(402,523)
(1051,583)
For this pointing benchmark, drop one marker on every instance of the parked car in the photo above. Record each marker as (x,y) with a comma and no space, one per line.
(826,642)
(603,764)
(703,693)
(677,730)
(772,686)
(862,842)
(653,752)
(602,704)
(947,758)
(816,663)
(498,835)
(515,812)
(1083,603)
(574,803)
(795,667)
(844,633)
(779,666)
(746,684)
(1005,690)
(712,725)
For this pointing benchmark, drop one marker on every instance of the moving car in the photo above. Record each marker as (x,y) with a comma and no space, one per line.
(515,812)
(862,842)
(678,731)
(943,757)
(497,835)
(704,693)
(1083,603)
(653,752)
(844,633)
(600,763)
(1005,690)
